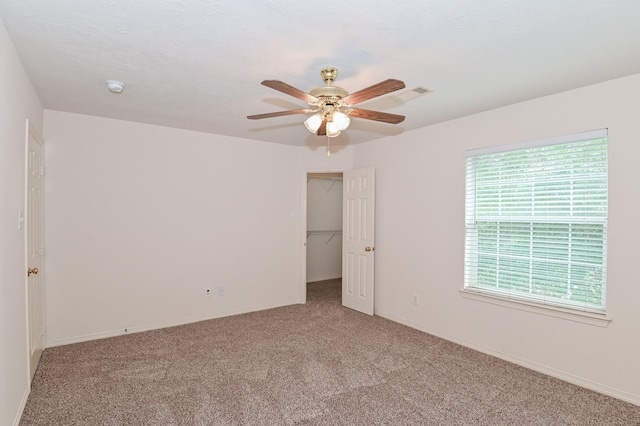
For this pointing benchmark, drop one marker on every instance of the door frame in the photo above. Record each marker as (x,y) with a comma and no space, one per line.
(302,288)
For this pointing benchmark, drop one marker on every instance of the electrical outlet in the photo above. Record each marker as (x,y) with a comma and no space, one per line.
(207,292)
(222,291)
(415,299)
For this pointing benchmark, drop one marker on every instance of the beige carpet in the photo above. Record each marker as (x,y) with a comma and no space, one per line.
(313,364)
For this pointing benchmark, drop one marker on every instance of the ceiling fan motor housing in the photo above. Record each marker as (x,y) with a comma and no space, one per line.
(329,75)
(329,92)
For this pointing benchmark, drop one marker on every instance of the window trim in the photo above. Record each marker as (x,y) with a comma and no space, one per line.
(573,137)
(592,318)
(513,301)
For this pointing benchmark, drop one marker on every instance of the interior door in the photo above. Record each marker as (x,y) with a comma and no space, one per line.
(357,239)
(34,246)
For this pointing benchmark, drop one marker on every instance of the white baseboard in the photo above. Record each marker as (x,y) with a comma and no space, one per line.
(23,404)
(579,381)
(155,326)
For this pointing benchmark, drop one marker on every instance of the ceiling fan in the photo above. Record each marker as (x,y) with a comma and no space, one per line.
(332,105)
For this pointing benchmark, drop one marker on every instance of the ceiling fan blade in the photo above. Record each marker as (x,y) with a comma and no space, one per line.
(385,117)
(387,86)
(322,130)
(280,113)
(290,90)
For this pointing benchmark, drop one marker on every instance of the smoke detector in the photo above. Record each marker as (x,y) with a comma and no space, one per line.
(115,86)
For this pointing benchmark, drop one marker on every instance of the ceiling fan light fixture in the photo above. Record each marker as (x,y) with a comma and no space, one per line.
(341,119)
(332,129)
(313,123)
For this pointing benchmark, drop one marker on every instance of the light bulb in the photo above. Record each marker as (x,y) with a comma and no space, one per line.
(341,119)
(313,123)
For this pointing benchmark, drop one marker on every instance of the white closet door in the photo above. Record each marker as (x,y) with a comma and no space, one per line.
(35,247)
(358,239)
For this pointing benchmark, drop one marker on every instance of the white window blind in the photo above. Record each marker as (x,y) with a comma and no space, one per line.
(536,221)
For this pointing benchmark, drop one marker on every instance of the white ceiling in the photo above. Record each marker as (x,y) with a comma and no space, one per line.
(198,64)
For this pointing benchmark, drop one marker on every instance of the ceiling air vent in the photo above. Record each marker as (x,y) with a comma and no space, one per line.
(413,93)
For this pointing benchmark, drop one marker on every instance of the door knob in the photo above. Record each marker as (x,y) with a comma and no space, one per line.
(368,249)
(32,271)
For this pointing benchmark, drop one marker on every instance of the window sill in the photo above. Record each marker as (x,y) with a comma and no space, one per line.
(601,320)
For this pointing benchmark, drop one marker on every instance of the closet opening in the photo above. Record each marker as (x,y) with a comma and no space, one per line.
(324,232)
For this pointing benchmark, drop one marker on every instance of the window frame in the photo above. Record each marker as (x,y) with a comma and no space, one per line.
(517,300)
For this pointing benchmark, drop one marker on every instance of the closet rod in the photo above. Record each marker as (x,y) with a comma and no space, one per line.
(332,179)
(333,234)
(323,178)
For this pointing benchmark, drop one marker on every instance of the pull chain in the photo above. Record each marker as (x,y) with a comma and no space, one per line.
(328,146)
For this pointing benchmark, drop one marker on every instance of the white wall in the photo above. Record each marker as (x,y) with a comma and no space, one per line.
(420,237)
(18,102)
(324,213)
(141,219)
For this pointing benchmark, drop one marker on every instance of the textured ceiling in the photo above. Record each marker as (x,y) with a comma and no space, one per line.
(198,64)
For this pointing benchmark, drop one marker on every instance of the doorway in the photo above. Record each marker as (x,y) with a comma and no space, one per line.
(323,227)
(357,244)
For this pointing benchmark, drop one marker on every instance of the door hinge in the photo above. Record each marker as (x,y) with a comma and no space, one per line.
(20,219)
(41,251)
(43,331)
(41,170)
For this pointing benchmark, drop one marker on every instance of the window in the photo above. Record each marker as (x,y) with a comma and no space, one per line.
(536,221)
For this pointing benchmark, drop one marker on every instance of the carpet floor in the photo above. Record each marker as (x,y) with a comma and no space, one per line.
(313,364)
